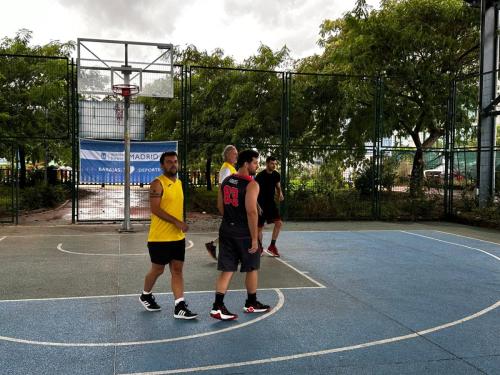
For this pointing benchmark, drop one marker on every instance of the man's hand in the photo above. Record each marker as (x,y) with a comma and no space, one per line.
(282,198)
(254,248)
(182,226)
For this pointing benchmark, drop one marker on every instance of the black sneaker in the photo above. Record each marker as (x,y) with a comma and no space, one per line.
(149,303)
(181,311)
(210,246)
(222,313)
(255,307)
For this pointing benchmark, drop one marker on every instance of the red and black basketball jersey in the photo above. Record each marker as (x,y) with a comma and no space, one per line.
(234,220)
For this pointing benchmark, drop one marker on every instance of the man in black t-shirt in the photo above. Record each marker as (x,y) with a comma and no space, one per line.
(270,184)
(238,236)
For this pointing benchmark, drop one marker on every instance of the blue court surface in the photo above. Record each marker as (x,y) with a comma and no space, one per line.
(344,302)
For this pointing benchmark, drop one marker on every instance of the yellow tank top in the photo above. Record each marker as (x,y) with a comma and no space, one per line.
(228,166)
(172,202)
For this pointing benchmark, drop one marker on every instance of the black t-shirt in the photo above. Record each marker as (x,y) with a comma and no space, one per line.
(234,220)
(267,184)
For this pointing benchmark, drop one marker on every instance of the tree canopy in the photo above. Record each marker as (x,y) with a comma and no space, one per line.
(415,47)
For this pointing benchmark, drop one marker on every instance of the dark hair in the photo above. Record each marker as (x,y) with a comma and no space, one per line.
(165,154)
(270,158)
(246,156)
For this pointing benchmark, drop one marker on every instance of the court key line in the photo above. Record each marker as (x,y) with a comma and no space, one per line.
(341,349)
(470,238)
(279,305)
(301,273)
(453,243)
(60,248)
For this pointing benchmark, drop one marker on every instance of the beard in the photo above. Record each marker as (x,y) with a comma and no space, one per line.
(171,172)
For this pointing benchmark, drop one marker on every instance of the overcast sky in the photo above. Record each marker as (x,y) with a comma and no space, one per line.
(236,26)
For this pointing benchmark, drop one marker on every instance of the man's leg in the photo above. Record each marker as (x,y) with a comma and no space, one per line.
(219,310)
(212,248)
(251,304)
(147,299)
(251,281)
(272,249)
(260,239)
(177,279)
(177,282)
(276,230)
(223,282)
(151,277)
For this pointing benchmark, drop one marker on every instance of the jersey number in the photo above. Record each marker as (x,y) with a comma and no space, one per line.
(231,195)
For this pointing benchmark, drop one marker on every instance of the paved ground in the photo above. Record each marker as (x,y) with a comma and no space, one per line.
(348,298)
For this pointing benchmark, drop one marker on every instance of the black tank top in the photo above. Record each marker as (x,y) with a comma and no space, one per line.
(234,220)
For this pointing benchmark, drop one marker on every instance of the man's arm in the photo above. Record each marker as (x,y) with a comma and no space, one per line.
(279,191)
(252,215)
(155,193)
(220,202)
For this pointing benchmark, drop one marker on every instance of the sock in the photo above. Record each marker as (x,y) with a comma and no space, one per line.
(146,293)
(219,299)
(179,300)
(251,297)
(273,242)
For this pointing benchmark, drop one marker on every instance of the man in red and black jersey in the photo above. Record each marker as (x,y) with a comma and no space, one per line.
(238,235)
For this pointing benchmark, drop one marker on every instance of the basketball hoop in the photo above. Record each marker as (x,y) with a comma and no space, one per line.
(125,90)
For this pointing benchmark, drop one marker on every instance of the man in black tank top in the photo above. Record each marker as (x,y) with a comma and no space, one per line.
(238,235)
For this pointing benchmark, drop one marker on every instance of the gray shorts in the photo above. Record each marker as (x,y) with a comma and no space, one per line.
(234,251)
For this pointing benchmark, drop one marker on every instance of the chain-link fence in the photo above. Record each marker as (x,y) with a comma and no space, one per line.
(348,147)
(35,128)
(228,106)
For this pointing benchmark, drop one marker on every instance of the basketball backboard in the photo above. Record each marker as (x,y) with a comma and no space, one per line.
(103,63)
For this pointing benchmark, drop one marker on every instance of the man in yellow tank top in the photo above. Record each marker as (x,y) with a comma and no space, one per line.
(230,156)
(166,240)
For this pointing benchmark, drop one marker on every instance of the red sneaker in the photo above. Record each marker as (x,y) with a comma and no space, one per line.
(272,250)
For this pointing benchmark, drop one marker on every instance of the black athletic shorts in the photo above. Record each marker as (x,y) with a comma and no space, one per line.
(164,252)
(233,251)
(270,213)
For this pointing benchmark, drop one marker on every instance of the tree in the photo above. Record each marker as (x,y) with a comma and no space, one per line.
(33,96)
(233,105)
(420,46)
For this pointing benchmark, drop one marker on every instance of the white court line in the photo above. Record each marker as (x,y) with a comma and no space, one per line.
(279,305)
(137,294)
(3,238)
(301,273)
(67,235)
(323,352)
(341,349)
(453,243)
(187,233)
(60,248)
(470,238)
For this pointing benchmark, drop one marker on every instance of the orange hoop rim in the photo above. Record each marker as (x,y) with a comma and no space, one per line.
(125,90)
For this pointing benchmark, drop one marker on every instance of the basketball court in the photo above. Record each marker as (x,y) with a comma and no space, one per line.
(348,298)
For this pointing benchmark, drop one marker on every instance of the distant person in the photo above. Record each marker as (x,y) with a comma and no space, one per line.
(229,155)
(238,236)
(270,185)
(166,240)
